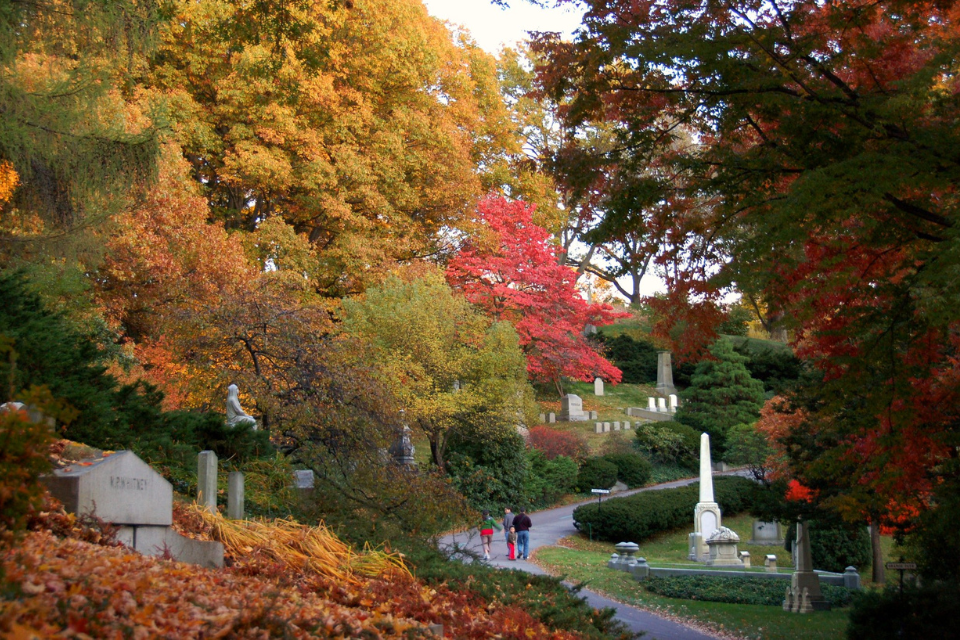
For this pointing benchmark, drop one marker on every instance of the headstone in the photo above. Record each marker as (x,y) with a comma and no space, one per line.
(125,491)
(303,479)
(235,495)
(766,533)
(121,488)
(594,415)
(626,425)
(606,427)
(236,416)
(551,418)
(662,405)
(571,408)
(706,515)
(745,559)
(598,387)
(673,403)
(599,427)
(543,418)
(651,404)
(616,426)
(665,374)
(589,330)
(207,480)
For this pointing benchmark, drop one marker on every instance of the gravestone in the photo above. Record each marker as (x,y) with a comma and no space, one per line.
(599,428)
(571,408)
(207,480)
(804,580)
(606,427)
(770,562)
(706,515)
(651,404)
(125,491)
(551,418)
(235,495)
(594,415)
(303,479)
(665,374)
(616,426)
(673,403)
(598,387)
(543,418)
(626,425)
(766,533)
(662,405)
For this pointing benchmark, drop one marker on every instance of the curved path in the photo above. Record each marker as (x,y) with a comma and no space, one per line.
(551,525)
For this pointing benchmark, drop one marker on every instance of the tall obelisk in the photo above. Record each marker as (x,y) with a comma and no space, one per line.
(706,515)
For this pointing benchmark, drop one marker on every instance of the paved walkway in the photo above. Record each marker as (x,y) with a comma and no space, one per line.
(551,525)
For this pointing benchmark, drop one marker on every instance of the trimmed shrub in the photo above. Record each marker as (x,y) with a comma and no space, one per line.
(632,469)
(596,473)
(735,590)
(669,443)
(548,480)
(640,516)
(553,443)
(834,546)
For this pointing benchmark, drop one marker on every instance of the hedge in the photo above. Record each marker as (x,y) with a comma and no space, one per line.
(632,468)
(735,590)
(640,516)
(596,473)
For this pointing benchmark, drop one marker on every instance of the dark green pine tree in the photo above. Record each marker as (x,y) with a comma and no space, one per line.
(721,394)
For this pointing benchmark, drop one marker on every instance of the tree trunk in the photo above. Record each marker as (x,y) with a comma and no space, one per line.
(878,569)
(436,453)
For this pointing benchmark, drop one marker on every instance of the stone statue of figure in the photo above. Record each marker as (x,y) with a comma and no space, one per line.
(236,417)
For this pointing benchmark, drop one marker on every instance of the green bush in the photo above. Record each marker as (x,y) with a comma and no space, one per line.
(632,469)
(640,516)
(920,612)
(548,479)
(834,546)
(596,473)
(669,443)
(637,359)
(487,462)
(777,368)
(735,590)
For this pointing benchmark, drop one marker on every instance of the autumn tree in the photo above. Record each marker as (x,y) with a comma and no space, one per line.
(824,136)
(449,363)
(512,273)
(365,126)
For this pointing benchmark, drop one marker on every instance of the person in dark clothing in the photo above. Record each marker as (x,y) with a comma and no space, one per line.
(522,525)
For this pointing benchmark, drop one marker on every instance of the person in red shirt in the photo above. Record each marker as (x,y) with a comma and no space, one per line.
(487,525)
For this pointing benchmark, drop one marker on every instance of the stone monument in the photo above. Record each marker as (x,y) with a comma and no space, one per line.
(236,417)
(571,408)
(402,450)
(598,387)
(766,533)
(125,491)
(723,548)
(665,374)
(804,595)
(706,515)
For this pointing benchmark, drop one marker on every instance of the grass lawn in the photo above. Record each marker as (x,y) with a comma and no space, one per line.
(584,561)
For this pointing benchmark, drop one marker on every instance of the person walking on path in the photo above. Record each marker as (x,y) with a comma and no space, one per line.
(522,524)
(512,543)
(507,523)
(487,525)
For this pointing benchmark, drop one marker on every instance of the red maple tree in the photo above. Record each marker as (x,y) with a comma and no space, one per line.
(513,272)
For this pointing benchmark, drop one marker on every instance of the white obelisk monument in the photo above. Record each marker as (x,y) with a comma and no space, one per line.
(706,515)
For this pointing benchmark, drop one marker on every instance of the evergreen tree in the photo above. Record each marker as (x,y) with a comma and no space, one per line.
(722,394)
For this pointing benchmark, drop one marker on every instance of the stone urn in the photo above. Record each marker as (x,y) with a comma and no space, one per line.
(723,548)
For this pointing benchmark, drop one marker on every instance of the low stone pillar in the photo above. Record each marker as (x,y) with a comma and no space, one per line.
(626,556)
(614,561)
(745,559)
(594,415)
(598,387)
(598,428)
(851,579)
(651,404)
(207,480)
(641,570)
(770,563)
(673,402)
(235,495)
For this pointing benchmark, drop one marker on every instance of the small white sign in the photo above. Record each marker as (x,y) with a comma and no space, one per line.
(600,490)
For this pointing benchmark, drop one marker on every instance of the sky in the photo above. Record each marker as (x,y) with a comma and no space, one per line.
(494,28)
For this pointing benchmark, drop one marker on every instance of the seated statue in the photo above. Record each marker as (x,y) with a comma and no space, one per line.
(236,417)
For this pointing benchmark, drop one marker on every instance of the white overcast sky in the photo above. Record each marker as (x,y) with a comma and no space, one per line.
(494,28)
